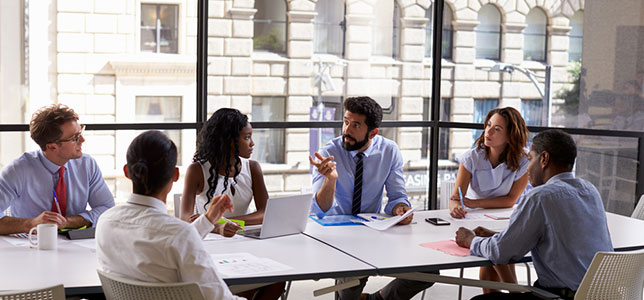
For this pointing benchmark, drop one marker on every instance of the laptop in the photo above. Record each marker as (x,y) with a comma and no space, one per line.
(283,216)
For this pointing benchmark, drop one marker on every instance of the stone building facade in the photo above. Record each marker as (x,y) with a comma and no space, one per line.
(96,59)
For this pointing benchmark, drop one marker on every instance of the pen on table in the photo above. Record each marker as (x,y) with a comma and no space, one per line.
(56,200)
(460,194)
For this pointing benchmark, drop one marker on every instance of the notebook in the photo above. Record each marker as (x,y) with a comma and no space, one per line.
(283,216)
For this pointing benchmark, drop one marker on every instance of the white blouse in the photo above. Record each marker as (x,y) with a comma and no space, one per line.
(139,240)
(243,190)
(488,182)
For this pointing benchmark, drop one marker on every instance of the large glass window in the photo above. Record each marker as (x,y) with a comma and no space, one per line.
(445,112)
(531,110)
(535,36)
(481,108)
(159,28)
(270,26)
(488,33)
(447,37)
(269,144)
(329,27)
(575,36)
(160,109)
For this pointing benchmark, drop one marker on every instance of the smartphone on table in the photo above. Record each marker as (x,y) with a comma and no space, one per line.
(436,221)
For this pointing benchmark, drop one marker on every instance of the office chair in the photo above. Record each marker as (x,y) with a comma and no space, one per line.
(638,213)
(56,292)
(117,288)
(614,275)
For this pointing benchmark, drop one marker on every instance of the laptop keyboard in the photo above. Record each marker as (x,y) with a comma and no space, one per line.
(253,232)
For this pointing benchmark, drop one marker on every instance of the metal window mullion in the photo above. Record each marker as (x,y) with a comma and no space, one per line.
(436,98)
(202,63)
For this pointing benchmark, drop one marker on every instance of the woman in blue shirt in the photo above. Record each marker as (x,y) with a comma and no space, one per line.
(493,175)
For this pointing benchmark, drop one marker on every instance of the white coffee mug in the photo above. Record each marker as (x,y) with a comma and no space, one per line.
(47,236)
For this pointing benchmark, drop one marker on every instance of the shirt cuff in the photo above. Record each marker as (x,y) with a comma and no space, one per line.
(389,208)
(86,215)
(203,225)
(475,246)
(315,208)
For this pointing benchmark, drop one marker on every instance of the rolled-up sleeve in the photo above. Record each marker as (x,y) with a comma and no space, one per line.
(395,183)
(196,265)
(524,231)
(317,181)
(8,187)
(99,197)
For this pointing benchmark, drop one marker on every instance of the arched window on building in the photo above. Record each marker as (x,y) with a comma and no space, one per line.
(535,36)
(385,29)
(329,25)
(447,38)
(575,36)
(270,26)
(488,33)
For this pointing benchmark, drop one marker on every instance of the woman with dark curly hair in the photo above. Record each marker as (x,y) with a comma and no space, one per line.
(222,165)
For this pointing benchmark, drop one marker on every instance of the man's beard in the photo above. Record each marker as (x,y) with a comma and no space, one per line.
(357,145)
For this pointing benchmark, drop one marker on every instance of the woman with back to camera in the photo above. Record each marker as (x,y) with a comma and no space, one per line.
(222,166)
(493,175)
(160,247)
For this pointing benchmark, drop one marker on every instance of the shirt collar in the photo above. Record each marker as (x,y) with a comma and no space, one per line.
(148,201)
(561,176)
(373,145)
(50,166)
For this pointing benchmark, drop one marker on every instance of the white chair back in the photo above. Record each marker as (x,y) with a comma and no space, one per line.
(615,276)
(56,292)
(117,288)
(447,188)
(177,205)
(638,213)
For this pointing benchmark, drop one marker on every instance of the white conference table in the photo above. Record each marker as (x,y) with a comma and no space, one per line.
(322,252)
(399,250)
(75,266)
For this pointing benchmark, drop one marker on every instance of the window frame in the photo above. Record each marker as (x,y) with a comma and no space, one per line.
(180,27)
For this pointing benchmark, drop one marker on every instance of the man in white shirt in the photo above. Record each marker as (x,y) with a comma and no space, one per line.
(141,241)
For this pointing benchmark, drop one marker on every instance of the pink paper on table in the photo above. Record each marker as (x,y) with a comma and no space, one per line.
(449,246)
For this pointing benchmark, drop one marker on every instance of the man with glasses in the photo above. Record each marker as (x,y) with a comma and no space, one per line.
(56,183)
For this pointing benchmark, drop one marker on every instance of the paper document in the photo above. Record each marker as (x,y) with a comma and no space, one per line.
(17,240)
(372,216)
(245,264)
(217,237)
(505,215)
(387,223)
(86,243)
(450,247)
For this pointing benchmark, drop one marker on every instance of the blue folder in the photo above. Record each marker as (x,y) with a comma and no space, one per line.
(338,220)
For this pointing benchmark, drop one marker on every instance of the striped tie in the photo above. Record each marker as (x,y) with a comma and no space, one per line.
(357,186)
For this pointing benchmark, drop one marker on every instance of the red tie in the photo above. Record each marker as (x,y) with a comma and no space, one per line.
(61,193)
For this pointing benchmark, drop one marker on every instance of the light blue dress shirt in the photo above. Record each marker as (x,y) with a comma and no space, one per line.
(562,223)
(382,168)
(488,182)
(27,183)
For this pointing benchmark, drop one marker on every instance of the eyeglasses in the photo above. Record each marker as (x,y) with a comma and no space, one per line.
(74,138)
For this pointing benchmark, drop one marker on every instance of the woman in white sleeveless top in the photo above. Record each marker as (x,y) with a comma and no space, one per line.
(222,165)
(493,175)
